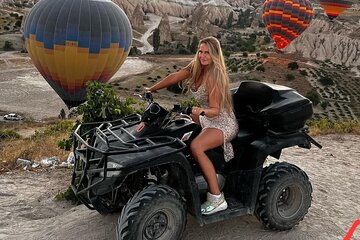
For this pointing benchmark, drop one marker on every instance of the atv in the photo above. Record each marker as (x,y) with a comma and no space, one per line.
(152,178)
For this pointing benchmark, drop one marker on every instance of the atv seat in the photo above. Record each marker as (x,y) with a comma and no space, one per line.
(244,136)
(251,97)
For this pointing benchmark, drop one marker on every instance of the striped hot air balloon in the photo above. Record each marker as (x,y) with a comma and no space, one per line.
(334,8)
(72,42)
(286,19)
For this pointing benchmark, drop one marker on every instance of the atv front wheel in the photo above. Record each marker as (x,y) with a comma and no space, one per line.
(284,196)
(156,212)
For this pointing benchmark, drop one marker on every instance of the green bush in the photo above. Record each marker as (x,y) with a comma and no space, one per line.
(260,68)
(326,81)
(313,96)
(8,134)
(303,72)
(289,77)
(293,65)
(234,69)
(103,104)
(8,46)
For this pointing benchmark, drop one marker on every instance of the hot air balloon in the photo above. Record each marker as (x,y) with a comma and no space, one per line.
(334,8)
(286,19)
(72,42)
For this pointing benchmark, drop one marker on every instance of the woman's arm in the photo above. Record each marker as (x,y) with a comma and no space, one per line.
(171,79)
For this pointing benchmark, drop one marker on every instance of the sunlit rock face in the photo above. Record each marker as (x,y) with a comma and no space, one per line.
(164,29)
(329,40)
(216,9)
(137,18)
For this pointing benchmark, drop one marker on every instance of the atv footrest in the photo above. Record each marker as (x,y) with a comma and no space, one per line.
(235,208)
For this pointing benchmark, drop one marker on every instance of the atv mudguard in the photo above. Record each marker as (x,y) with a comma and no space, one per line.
(182,178)
(273,143)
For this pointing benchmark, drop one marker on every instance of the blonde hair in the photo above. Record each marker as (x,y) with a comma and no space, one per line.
(217,69)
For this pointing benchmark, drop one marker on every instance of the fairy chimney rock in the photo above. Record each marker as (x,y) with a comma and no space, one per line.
(164,29)
(137,18)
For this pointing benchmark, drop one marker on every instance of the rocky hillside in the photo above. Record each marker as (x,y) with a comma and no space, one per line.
(337,41)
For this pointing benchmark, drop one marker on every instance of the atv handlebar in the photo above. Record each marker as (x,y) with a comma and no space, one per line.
(184,110)
(147,96)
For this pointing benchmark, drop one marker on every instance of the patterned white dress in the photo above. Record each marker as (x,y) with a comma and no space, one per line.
(226,122)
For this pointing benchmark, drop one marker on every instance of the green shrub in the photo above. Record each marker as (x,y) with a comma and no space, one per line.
(326,81)
(68,195)
(293,65)
(327,126)
(303,72)
(9,134)
(260,68)
(313,96)
(8,46)
(324,105)
(103,104)
(289,77)
(234,69)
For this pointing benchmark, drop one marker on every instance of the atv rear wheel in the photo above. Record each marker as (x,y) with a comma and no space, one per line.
(156,212)
(284,196)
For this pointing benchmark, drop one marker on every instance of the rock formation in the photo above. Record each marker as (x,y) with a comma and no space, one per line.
(328,40)
(164,29)
(137,18)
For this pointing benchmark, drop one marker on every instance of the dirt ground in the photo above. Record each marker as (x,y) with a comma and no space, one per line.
(28,209)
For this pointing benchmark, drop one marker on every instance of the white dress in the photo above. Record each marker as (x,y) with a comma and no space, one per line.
(226,122)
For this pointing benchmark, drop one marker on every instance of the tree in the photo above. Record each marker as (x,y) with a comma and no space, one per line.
(326,81)
(230,20)
(289,77)
(313,96)
(260,68)
(267,39)
(8,46)
(194,44)
(62,114)
(156,39)
(293,65)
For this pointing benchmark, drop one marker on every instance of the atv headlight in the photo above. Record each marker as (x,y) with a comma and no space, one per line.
(111,173)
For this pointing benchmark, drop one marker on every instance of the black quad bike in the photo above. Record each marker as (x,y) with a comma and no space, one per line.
(151,177)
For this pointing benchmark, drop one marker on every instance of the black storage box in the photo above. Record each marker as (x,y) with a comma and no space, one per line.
(271,106)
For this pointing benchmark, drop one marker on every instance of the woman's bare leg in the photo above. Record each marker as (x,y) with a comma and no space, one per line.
(209,138)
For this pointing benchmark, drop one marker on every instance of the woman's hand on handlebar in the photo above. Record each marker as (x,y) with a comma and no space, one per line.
(196,111)
(195,114)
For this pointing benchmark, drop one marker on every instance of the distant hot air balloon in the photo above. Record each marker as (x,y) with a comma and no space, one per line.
(334,8)
(286,19)
(75,41)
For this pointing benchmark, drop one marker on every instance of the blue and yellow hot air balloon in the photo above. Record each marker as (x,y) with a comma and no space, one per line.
(334,8)
(286,19)
(72,42)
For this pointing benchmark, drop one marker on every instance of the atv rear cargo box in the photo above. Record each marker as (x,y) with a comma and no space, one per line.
(271,106)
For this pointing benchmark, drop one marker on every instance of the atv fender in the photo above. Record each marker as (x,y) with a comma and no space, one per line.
(272,145)
(181,177)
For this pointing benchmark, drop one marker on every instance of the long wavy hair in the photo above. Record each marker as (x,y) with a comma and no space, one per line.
(217,69)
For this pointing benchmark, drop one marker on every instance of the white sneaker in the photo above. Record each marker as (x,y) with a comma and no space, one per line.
(213,204)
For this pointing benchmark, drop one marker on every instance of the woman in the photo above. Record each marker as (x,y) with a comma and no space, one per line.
(206,78)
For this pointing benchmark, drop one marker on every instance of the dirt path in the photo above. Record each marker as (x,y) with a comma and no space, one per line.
(28,211)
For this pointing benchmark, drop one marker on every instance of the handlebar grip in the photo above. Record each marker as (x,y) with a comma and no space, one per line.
(186,110)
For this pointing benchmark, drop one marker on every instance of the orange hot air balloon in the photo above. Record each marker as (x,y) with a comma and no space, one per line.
(334,8)
(286,19)
(72,42)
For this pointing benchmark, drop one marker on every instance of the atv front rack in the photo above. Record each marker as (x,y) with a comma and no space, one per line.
(96,143)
